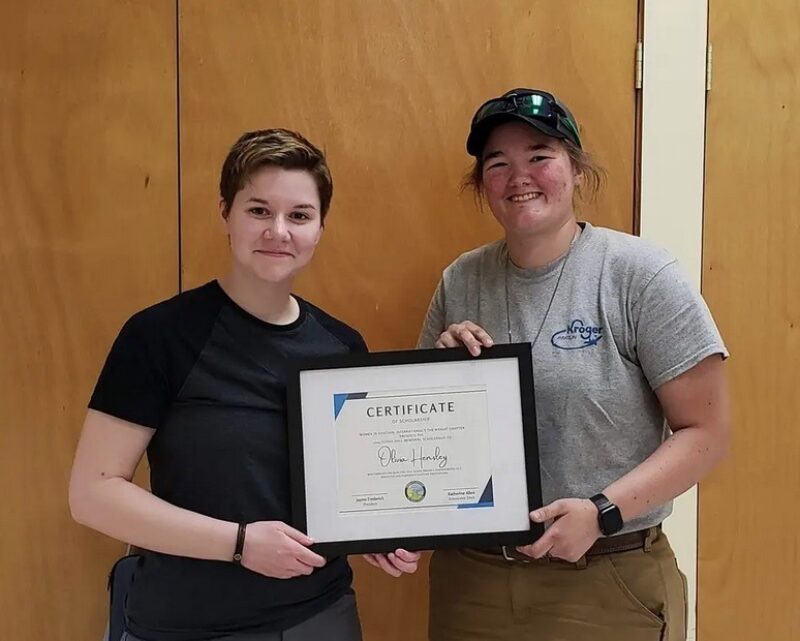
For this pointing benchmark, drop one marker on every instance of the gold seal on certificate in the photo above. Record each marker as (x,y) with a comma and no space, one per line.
(416,449)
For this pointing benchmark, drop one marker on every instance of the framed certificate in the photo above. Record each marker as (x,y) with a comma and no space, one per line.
(417,449)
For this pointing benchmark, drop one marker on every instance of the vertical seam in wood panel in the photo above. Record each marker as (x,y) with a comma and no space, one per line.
(178,139)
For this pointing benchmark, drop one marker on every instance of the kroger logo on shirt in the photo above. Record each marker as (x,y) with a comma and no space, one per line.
(577,335)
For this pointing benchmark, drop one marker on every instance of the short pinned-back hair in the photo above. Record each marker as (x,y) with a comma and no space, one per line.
(273,148)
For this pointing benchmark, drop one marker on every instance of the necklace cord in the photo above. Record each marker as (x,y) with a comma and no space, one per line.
(552,295)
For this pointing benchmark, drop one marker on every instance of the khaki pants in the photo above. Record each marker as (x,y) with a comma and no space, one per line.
(639,595)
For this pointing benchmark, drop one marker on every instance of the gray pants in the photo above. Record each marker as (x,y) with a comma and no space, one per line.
(339,622)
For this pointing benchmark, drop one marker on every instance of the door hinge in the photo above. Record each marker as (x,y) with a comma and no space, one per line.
(709,59)
(639,65)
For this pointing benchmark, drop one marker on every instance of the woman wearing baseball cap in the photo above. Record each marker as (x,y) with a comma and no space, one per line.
(622,344)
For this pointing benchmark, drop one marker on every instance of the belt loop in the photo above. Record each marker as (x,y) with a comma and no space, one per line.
(581,563)
(513,554)
(649,537)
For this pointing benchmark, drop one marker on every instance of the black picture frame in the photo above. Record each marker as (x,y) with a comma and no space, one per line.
(519,352)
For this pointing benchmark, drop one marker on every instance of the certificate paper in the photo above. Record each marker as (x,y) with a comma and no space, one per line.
(413,450)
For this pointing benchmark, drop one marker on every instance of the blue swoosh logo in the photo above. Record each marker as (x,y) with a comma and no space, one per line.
(578,335)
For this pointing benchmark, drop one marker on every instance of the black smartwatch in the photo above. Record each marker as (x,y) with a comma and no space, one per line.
(608,515)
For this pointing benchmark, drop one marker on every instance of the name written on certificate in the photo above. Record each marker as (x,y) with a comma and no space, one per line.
(413,450)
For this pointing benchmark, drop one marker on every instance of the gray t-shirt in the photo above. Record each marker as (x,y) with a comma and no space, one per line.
(624,320)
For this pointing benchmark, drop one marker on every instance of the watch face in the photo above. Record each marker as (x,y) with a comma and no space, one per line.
(611,520)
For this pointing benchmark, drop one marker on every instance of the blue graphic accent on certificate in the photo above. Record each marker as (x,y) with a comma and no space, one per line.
(339,400)
(413,450)
(486,500)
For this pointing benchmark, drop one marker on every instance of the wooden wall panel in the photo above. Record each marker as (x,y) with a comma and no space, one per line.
(749,528)
(387,87)
(88,193)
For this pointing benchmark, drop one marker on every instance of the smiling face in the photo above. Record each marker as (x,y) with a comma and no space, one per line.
(528,179)
(274,224)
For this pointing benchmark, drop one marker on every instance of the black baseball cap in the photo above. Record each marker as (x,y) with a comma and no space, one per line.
(539,109)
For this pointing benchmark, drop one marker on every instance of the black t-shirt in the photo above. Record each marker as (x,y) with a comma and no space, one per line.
(210,378)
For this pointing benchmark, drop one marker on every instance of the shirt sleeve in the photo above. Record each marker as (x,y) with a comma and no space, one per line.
(133,384)
(673,327)
(358,344)
(434,323)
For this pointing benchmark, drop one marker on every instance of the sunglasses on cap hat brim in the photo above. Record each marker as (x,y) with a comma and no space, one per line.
(539,109)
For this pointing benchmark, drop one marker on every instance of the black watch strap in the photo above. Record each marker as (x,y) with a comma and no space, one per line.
(601,502)
(237,553)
